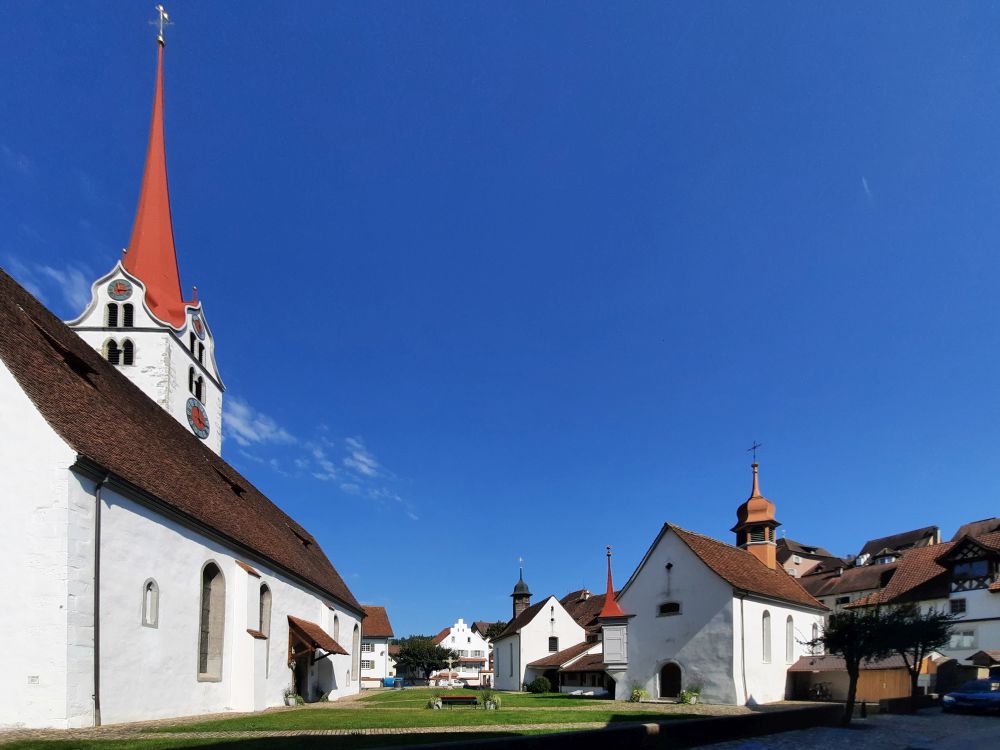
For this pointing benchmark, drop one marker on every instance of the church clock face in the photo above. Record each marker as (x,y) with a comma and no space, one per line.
(197,418)
(120,289)
(198,325)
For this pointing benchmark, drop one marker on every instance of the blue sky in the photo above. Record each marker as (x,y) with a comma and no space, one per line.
(492,280)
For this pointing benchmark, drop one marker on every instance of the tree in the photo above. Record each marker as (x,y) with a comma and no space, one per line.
(856,635)
(418,654)
(495,629)
(914,634)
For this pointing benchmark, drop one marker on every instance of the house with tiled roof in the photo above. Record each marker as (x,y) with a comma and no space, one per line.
(797,559)
(471,650)
(887,549)
(700,612)
(376,661)
(147,578)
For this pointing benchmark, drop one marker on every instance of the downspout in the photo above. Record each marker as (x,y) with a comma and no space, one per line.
(98,502)
(743,647)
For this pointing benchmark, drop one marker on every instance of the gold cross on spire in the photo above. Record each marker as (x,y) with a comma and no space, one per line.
(753,449)
(162,22)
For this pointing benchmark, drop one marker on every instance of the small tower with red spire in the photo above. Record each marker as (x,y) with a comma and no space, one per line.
(137,316)
(614,634)
(755,525)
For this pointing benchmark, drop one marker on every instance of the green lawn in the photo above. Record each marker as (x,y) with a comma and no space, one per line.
(418,697)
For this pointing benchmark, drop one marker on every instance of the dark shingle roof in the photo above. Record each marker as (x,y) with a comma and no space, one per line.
(977,528)
(583,608)
(863,578)
(587,663)
(522,619)
(830,663)
(902,541)
(376,624)
(105,418)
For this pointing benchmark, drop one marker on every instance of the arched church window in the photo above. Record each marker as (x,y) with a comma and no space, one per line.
(336,628)
(355,652)
(199,388)
(191,380)
(128,352)
(201,352)
(191,342)
(765,628)
(111,317)
(111,352)
(211,631)
(150,604)
(789,640)
(264,625)
(128,315)
(817,648)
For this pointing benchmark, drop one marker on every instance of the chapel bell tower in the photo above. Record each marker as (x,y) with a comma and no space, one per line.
(521,595)
(137,316)
(755,525)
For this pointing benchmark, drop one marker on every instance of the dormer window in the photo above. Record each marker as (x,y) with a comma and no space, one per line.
(971,574)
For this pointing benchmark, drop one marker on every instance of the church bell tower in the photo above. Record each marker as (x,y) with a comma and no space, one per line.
(521,595)
(755,525)
(137,316)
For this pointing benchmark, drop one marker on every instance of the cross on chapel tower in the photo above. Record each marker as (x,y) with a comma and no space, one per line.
(755,523)
(137,316)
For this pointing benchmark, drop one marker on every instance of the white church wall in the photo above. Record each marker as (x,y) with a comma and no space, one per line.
(552,620)
(767,678)
(699,639)
(40,678)
(507,663)
(152,671)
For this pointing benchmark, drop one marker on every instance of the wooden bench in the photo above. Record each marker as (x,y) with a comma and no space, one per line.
(458,700)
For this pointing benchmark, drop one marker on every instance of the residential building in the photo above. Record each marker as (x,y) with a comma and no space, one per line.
(471,649)
(798,559)
(151,579)
(887,549)
(376,662)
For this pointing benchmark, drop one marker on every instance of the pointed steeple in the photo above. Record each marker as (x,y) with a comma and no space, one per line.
(755,524)
(611,607)
(151,256)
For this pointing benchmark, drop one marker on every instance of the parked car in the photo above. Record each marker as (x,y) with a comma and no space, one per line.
(977,695)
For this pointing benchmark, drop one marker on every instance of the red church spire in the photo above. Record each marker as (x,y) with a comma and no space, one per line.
(150,255)
(611,608)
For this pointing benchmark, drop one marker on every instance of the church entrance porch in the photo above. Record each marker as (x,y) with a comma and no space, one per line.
(670,680)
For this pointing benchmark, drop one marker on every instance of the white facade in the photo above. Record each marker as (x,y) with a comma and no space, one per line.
(171,366)
(716,637)
(534,640)
(376,663)
(148,645)
(472,649)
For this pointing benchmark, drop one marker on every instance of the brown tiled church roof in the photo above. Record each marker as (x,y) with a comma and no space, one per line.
(561,657)
(105,418)
(376,624)
(316,635)
(439,638)
(744,571)
(522,619)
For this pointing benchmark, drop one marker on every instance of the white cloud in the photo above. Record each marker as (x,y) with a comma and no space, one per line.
(328,469)
(247,426)
(360,459)
(74,284)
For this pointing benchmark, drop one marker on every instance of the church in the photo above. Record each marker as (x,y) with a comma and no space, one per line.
(146,577)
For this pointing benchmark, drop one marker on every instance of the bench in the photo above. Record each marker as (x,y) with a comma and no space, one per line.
(459,700)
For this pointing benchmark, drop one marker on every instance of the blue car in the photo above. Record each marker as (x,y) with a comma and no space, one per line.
(977,695)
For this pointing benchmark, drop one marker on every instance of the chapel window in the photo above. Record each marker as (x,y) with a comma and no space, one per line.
(128,315)
(553,644)
(669,608)
(766,636)
(111,317)
(355,652)
(211,632)
(817,647)
(201,352)
(264,625)
(789,640)
(128,352)
(191,339)
(191,380)
(336,628)
(150,604)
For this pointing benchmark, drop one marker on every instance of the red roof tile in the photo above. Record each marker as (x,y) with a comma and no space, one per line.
(106,419)
(439,638)
(317,637)
(515,625)
(376,623)
(830,663)
(561,657)
(248,569)
(587,663)
(744,571)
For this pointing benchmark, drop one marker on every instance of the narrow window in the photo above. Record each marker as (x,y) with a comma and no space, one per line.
(355,652)
(766,635)
(336,628)
(191,342)
(111,319)
(817,647)
(191,380)
(128,352)
(264,625)
(553,644)
(510,656)
(213,621)
(199,389)
(128,315)
(150,604)
(789,640)
(112,353)
(201,352)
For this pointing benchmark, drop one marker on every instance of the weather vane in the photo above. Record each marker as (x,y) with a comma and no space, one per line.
(162,22)
(753,449)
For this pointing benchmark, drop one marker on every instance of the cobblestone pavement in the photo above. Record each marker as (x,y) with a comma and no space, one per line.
(926,730)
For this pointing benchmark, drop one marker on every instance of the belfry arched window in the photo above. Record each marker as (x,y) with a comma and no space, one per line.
(111,352)
(111,316)
(128,315)
(150,604)
(128,352)
(201,352)
(191,341)
(211,630)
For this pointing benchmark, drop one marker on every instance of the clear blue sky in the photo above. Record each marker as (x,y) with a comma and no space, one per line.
(502,279)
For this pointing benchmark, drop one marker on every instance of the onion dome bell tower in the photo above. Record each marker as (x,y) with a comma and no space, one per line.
(521,595)
(137,316)
(755,525)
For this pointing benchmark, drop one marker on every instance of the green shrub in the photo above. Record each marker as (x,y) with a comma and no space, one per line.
(489,697)
(637,693)
(539,685)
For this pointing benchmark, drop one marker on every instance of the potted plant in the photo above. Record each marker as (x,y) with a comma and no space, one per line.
(291,697)
(690,695)
(637,693)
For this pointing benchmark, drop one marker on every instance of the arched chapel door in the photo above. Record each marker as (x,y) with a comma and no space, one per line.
(670,681)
